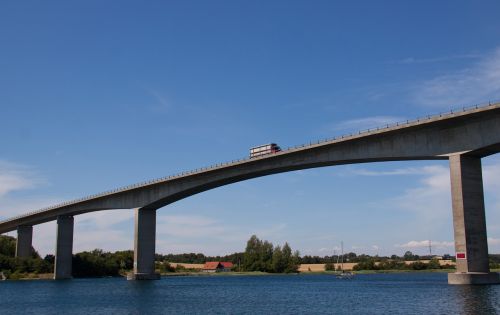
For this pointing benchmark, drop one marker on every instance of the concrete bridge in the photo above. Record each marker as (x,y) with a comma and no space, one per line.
(463,137)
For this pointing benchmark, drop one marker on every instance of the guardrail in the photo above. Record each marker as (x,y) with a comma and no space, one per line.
(401,124)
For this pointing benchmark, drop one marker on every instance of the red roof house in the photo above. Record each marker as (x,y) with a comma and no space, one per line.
(217,266)
(227,264)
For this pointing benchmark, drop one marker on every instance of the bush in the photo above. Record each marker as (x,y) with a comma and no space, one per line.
(418,265)
(165,267)
(330,267)
(433,264)
(368,264)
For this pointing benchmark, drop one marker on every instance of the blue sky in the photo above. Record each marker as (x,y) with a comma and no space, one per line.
(96,95)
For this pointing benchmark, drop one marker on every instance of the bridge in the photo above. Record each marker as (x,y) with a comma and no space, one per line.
(463,137)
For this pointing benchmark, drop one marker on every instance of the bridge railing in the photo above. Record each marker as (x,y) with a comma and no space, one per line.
(400,124)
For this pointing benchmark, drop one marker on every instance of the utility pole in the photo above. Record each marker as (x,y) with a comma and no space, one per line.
(342,250)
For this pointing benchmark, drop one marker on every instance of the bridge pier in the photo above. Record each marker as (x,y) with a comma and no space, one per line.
(144,245)
(469,223)
(64,248)
(24,239)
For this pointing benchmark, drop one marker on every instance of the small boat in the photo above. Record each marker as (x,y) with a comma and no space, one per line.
(343,274)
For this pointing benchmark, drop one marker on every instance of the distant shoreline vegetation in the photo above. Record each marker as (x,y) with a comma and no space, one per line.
(259,257)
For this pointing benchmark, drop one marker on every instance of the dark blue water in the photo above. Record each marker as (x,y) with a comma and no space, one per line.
(411,293)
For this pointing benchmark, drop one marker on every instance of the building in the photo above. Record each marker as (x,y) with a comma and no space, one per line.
(217,266)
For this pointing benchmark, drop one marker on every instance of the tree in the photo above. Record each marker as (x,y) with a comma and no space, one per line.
(279,263)
(291,260)
(266,256)
(408,256)
(293,266)
(433,264)
(251,257)
(263,256)
(7,245)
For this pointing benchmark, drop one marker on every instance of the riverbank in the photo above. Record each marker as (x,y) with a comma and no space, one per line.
(49,276)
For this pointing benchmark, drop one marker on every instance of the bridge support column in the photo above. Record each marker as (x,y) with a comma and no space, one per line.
(24,239)
(144,245)
(469,223)
(64,248)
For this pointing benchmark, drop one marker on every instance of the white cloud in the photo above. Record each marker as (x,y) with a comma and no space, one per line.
(431,199)
(104,219)
(106,239)
(44,238)
(92,230)
(190,226)
(491,174)
(425,244)
(110,230)
(493,241)
(476,84)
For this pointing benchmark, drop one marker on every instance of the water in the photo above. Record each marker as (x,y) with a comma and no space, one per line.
(408,293)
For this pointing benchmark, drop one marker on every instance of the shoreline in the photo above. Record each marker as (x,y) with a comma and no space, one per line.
(257,274)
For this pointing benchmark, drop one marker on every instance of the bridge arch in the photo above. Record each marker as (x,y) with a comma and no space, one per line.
(462,137)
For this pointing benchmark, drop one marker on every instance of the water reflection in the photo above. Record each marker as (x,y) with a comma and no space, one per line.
(473,300)
(141,299)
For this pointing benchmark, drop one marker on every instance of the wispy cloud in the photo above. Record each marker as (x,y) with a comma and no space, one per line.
(365,123)
(415,60)
(476,84)
(17,177)
(161,105)
(425,170)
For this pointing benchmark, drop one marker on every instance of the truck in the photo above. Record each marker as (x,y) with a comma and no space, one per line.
(264,149)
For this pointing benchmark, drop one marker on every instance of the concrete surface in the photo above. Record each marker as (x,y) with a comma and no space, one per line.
(63,265)
(474,278)
(24,240)
(144,245)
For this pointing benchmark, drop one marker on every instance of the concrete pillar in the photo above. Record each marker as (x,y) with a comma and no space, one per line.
(144,245)
(64,248)
(469,222)
(24,239)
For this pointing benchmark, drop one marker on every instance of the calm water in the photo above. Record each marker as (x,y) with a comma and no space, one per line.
(413,293)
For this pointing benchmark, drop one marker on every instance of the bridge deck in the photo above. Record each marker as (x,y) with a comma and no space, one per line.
(31,217)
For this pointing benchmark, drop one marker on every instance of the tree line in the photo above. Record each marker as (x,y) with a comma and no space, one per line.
(259,255)
(14,267)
